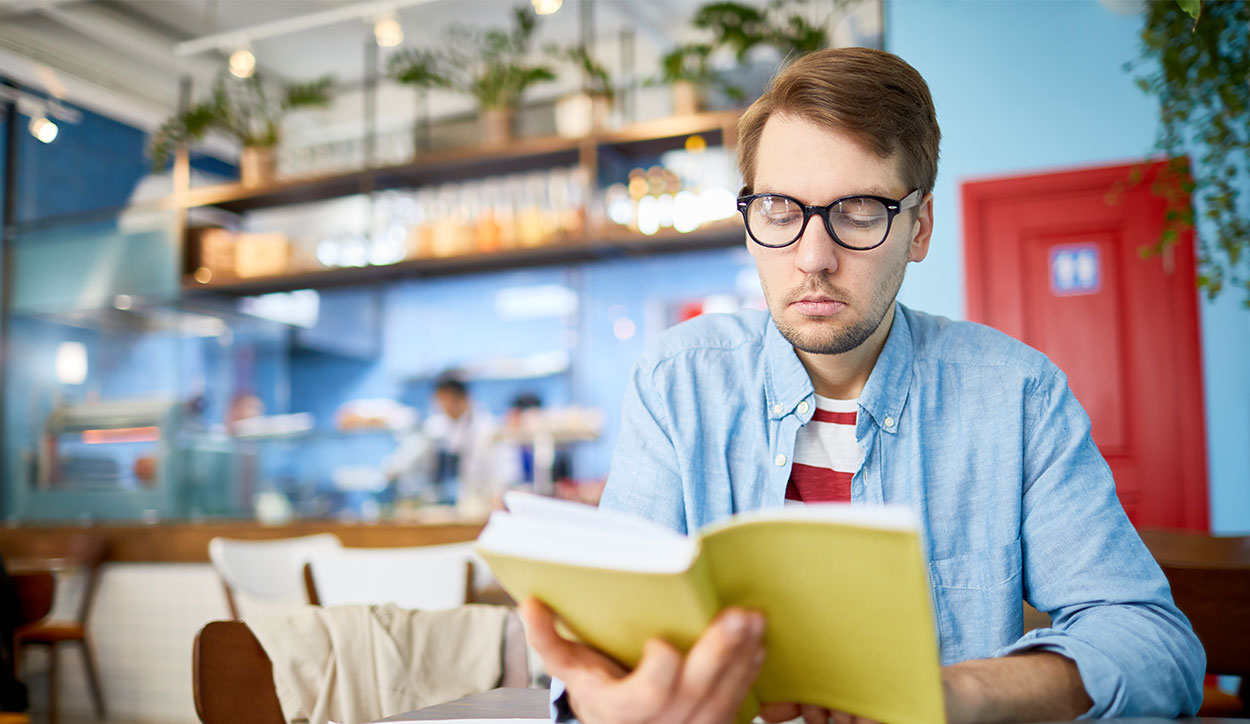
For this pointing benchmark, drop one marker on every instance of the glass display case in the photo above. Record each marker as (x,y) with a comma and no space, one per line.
(271,352)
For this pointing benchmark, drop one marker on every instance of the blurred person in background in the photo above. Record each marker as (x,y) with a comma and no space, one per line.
(454,455)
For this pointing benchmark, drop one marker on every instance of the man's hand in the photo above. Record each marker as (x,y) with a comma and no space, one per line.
(780,712)
(707,686)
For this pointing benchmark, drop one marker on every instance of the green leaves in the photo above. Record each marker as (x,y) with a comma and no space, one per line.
(1200,55)
(245,108)
(741,28)
(491,66)
(595,78)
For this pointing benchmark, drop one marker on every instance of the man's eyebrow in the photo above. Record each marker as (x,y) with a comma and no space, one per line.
(864,191)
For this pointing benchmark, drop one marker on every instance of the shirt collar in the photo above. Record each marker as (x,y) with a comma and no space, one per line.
(887,387)
(787,382)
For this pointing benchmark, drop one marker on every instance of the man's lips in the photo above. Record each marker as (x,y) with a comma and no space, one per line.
(818,306)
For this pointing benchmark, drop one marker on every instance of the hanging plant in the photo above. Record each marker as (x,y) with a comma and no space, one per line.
(1198,58)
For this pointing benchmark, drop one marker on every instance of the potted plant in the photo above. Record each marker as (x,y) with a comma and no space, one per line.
(687,70)
(247,110)
(586,111)
(740,29)
(490,66)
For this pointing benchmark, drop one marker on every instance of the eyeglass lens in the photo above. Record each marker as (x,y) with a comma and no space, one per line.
(858,222)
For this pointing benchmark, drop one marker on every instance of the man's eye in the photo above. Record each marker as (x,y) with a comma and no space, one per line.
(783,219)
(859,221)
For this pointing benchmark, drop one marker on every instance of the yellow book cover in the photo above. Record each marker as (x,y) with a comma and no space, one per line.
(843,588)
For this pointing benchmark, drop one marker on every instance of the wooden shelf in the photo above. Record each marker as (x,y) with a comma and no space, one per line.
(467,163)
(607,246)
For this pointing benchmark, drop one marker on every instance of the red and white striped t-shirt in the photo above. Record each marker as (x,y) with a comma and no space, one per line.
(826,455)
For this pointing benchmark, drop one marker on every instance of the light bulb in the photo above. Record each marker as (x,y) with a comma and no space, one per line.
(546,7)
(242,63)
(71,363)
(388,32)
(43,129)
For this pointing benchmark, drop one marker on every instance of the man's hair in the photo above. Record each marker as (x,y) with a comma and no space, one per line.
(451,382)
(873,96)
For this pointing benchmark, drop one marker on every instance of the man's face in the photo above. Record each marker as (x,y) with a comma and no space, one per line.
(453,403)
(826,299)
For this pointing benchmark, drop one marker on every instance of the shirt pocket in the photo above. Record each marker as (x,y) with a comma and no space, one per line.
(978,601)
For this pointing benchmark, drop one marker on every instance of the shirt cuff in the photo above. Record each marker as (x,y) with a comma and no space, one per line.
(1103,680)
(559,704)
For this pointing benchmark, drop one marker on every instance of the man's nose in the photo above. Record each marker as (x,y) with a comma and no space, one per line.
(817,251)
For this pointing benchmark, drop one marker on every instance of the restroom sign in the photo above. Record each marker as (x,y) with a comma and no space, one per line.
(1075,269)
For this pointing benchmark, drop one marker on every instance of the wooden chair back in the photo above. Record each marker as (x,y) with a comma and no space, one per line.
(232,678)
(35,592)
(1210,579)
(88,551)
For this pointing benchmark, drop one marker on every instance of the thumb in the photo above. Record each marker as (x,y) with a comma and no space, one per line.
(660,667)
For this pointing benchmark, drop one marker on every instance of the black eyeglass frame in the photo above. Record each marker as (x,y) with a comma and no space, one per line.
(893,207)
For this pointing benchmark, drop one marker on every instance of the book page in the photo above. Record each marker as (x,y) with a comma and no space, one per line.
(649,549)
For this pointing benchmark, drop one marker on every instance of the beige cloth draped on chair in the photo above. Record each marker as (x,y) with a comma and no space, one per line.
(351,664)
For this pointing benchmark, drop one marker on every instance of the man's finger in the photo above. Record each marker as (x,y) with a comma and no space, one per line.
(654,681)
(566,660)
(779,711)
(723,663)
(726,646)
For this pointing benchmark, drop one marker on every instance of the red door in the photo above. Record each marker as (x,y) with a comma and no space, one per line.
(1051,261)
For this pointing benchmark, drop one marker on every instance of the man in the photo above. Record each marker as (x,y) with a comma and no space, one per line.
(840,393)
(455,450)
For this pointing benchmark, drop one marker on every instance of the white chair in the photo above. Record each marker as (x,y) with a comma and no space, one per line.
(423,577)
(266,576)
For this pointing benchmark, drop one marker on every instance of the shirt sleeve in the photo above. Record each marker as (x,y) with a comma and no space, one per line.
(1084,564)
(644,478)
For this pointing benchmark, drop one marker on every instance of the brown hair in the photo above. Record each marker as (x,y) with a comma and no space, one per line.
(871,95)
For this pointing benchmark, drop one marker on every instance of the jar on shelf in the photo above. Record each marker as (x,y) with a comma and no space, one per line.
(486,234)
(421,230)
(531,226)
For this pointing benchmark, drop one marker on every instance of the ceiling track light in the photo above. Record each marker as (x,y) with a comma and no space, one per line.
(387,31)
(242,62)
(546,7)
(43,129)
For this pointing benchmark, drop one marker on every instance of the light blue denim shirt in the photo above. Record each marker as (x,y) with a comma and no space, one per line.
(975,431)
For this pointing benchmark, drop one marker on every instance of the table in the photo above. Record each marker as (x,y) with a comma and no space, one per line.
(496,703)
(532,704)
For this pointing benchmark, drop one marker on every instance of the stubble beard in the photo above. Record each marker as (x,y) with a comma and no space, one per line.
(834,337)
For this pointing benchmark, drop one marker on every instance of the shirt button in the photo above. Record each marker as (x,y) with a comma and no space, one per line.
(803,407)
(777,409)
(780,459)
(889,423)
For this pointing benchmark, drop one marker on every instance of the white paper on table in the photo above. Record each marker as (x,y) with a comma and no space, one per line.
(473,721)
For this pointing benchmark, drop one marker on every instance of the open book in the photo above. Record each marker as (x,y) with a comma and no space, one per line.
(843,588)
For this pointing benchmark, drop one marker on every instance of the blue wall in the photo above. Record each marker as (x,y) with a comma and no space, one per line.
(1036,85)
(432,325)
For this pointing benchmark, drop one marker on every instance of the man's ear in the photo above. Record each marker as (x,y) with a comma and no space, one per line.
(922,230)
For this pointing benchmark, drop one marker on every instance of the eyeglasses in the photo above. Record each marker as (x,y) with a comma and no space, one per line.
(855,222)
